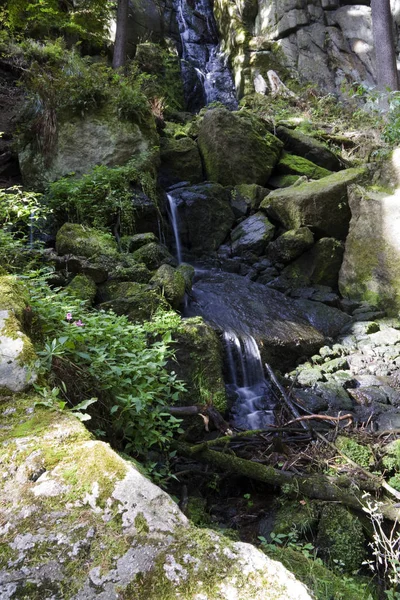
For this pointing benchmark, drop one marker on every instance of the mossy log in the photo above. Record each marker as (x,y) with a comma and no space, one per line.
(320,487)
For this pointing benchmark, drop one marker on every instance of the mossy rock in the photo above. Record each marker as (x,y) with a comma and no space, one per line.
(130,243)
(283,181)
(82,287)
(13,296)
(290,164)
(299,516)
(340,538)
(180,161)
(153,256)
(199,363)
(17,355)
(237,148)
(251,193)
(187,272)
(170,283)
(362,455)
(309,148)
(290,245)
(73,238)
(321,205)
(136,301)
(252,235)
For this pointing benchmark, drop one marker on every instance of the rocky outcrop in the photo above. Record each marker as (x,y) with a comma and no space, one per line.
(237,148)
(321,205)
(79,522)
(309,148)
(371,266)
(81,144)
(180,161)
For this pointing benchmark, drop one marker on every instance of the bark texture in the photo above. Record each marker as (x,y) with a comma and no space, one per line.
(119,56)
(386,66)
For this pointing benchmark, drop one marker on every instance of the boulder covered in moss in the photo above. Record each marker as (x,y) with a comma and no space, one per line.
(236,148)
(290,245)
(171,284)
(84,142)
(135,300)
(252,235)
(199,363)
(81,523)
(153,256)
(130,243)
(321,205)
(204,216)
(187,271)
(180,161)
(13,296)
(290,164)
(82,287)
(117,267)
(309,148)
(340,539)
(73,238)
(246,197)
(371,267)
(16,355)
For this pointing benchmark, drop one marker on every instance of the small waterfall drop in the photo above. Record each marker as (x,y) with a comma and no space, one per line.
(205,72)
(252,406)
(175,226)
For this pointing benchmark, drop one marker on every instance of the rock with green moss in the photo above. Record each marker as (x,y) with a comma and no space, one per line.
(135,300)
(73,238)
(16,355)
(180,161)
(67,495)
(170,283)
(13,296)
(309,148)
(296,516)
(237,149)
(153,256)
(187,272)
(318,266)
(199,363)
(117,267)
(340,538)
(83,142)
(290,245)
(290,164)
(249,194)
(130,243)
(362,455)
(205,216)
(283,181)
(371,267)
(252,235)
(82,287)
(321,205)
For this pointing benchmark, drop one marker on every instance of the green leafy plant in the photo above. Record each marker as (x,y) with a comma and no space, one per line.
(289,540)
(126,369)
(51,399)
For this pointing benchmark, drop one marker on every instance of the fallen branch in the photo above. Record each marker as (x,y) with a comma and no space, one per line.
(320,487)
(206,412)
(323,418)
(290,405)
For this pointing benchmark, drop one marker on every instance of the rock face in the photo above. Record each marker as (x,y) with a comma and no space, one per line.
(180,161)
(237,149)
(371,267)
(321,205)
(205,216)
(84,143)
(84,523)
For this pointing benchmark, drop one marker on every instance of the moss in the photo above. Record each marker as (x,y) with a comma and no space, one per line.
(133,299)
(340,538)
(141,524)
(290,164)
(153,255)
(84,241)
(171,284)
(82,287)
(196,511)
(300,516)
(13,296)
(359,454)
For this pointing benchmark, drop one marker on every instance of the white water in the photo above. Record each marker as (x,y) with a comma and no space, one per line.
(175,226)
(252,407)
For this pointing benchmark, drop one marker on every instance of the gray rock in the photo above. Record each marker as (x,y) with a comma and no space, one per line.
(290,245)
(252,235)
(16,355)
(309,148)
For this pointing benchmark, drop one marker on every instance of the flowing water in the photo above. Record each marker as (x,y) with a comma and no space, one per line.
(205,73)
(173,213)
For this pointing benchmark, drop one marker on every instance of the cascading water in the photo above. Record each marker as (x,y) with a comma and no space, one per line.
(252,405)
(173,211)
(205,73)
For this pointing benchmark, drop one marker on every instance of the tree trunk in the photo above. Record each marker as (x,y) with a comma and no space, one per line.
(119,56)
(385,55)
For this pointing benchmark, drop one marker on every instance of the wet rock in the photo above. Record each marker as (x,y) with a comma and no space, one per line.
(335,395)
(290,245)
(252,235)
(311,401)
(321,205)
(309,148)
(237,148)
(330,321)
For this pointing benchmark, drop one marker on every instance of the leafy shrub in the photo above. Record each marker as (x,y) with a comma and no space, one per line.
(117,357)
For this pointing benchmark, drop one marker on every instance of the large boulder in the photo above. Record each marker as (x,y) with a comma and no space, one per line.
(321,205)
(82,523)
(83,143)
(76,239)
(290,245)
(252,235)
(371,263)
(236,148)
(291,164)
(180,161)
(171,284)
(309,148)
(204,216)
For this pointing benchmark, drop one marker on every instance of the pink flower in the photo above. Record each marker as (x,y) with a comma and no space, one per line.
(79,323)
(68,316)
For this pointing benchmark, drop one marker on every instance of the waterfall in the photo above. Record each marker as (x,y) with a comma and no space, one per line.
(205,73)
(252,406)
(175,227)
